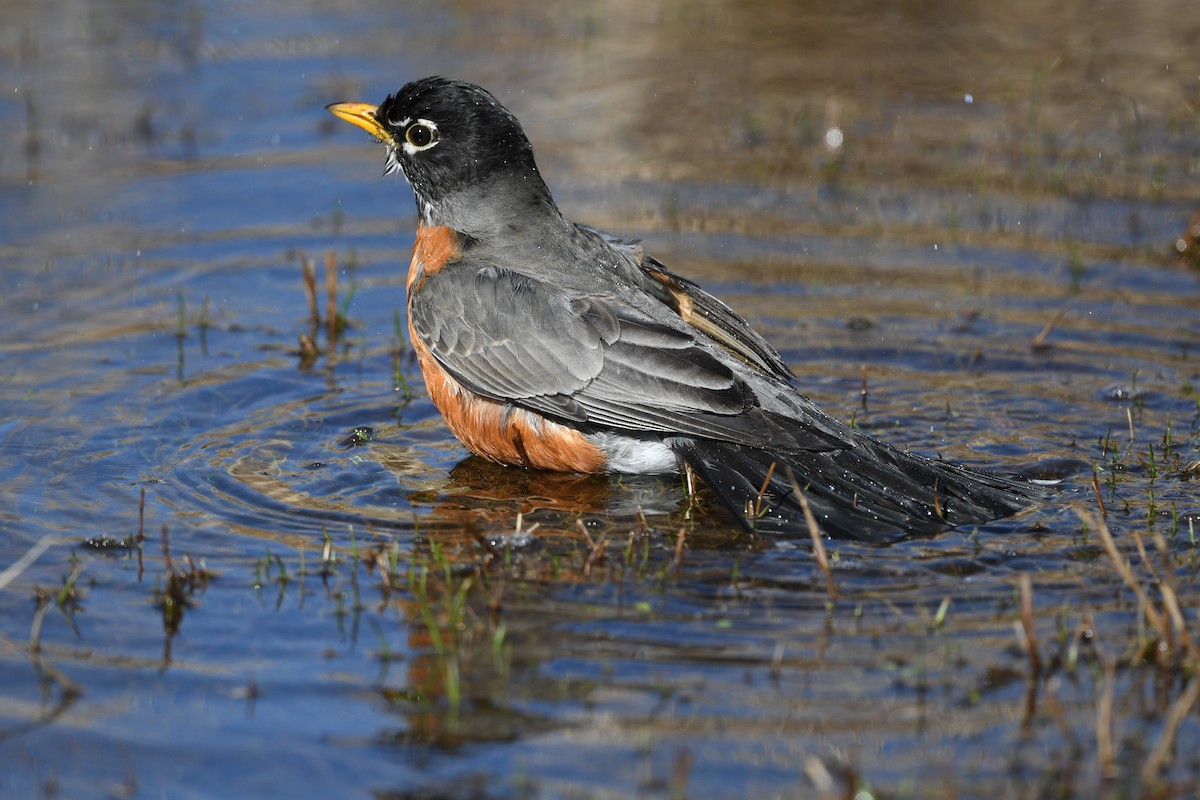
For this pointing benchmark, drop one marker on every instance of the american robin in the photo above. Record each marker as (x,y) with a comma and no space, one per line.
(552,345)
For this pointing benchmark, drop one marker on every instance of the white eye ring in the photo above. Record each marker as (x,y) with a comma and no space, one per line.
(420,135)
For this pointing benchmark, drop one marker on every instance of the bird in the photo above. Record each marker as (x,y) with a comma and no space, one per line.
(552,345)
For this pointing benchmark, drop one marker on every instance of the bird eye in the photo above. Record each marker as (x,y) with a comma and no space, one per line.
(420,135)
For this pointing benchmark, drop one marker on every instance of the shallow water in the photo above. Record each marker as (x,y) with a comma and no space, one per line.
(377,616)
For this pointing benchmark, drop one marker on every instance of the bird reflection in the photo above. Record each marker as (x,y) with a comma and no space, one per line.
(483,496)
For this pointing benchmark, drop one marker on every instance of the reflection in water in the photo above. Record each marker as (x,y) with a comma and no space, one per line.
(288,472)
(482,489)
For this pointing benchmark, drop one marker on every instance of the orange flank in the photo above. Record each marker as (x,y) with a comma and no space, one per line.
(493,430)
(504,433)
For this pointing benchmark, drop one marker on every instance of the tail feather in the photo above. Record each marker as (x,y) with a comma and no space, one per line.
(870,492)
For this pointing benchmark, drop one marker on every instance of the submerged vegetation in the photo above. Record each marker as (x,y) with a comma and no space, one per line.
(1083,673)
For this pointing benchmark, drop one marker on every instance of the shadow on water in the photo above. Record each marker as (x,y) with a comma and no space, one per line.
(962,226)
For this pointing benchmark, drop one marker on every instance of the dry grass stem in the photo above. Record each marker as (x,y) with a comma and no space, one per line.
(1029,632)
(1106,752)
(1123,568)
(587,537)
(23,563)
(1096,488)
(332,323)
(1039,341)
(814,531)
(141,516)
(762,491)
(1178,712)
(822,780)
(679,540)
(595,549)
(1170,601)
(308,272)
(594,556)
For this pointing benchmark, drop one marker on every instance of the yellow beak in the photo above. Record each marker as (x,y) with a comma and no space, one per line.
(362,115)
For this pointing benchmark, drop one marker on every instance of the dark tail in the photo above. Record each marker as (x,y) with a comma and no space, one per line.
(870,492)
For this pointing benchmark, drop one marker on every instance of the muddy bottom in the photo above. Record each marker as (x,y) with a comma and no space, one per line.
(242,557)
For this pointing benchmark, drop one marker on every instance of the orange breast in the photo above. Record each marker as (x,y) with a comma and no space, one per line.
(436,246)
(493,430)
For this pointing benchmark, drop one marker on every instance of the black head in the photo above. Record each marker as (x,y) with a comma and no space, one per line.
(463,153)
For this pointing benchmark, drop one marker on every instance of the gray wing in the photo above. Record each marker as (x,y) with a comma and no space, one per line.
(699,309)
(713,318)
(585,360)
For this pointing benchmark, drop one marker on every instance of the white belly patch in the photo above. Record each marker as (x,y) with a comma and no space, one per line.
(635,456)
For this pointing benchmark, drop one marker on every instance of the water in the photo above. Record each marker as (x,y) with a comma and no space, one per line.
(166,171)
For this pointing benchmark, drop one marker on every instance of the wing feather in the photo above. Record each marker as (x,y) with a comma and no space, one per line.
(583,359)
